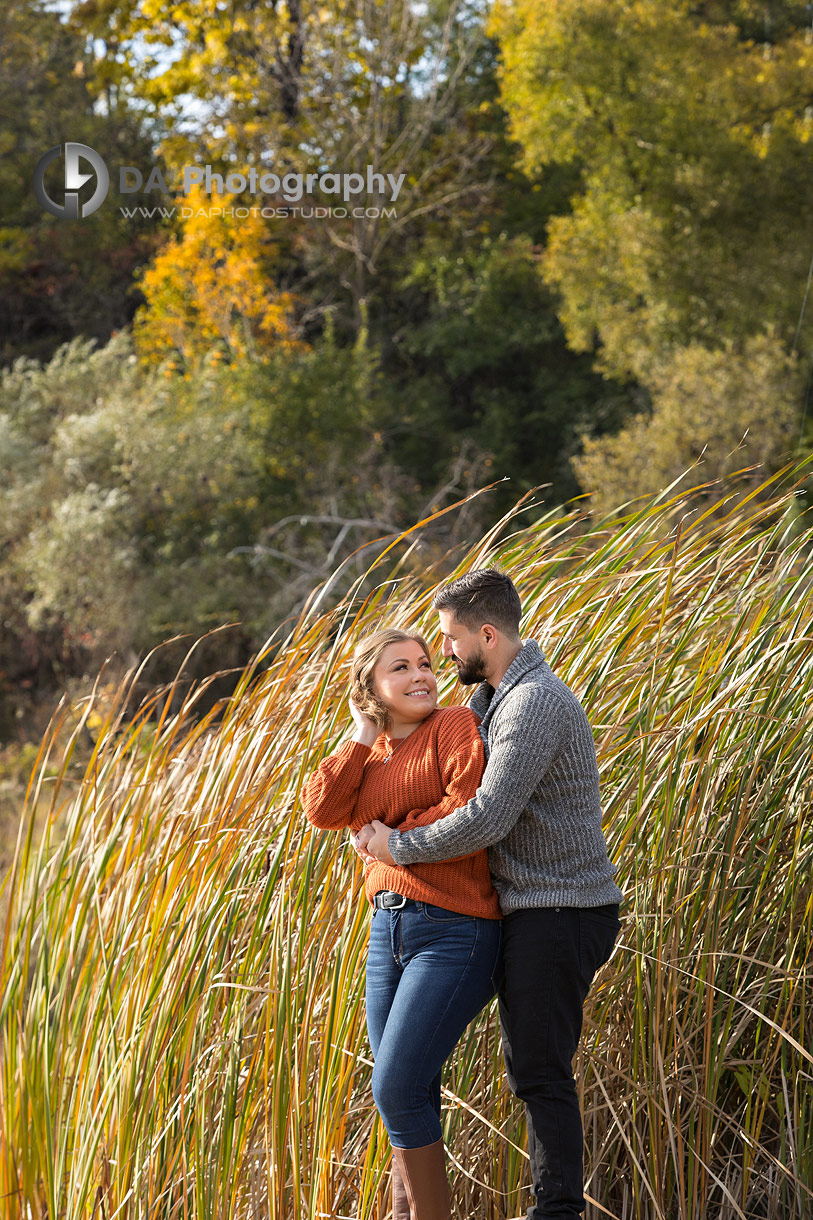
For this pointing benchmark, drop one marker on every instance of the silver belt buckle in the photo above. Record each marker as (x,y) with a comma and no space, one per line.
(386,905)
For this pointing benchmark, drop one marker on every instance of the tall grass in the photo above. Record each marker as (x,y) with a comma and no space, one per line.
(181,985)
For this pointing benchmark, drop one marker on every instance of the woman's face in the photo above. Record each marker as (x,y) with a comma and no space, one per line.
(405,684)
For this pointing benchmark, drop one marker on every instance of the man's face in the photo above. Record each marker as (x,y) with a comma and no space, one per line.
(464,647)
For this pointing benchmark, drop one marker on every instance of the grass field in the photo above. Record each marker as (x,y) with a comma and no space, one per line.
(182,1024)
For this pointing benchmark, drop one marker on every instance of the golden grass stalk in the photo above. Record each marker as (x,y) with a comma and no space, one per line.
(181,985)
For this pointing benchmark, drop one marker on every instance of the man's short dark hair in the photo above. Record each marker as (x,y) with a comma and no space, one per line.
(483,596)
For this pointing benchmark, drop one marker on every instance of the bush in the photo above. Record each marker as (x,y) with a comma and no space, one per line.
(722,409)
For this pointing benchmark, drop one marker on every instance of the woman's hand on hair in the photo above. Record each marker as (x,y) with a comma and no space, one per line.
(366,728)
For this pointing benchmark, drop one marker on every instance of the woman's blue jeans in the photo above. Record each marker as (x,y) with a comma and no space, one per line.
(429,972)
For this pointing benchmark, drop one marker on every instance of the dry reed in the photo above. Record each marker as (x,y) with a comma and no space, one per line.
(182,1026)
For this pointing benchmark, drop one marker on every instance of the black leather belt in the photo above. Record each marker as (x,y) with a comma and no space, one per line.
(388,900)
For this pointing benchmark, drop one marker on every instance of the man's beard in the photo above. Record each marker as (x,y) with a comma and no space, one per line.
(473,670)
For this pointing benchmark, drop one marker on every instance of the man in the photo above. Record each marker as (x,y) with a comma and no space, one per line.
(538,812)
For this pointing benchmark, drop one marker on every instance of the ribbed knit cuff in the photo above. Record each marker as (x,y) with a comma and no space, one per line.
(398,848)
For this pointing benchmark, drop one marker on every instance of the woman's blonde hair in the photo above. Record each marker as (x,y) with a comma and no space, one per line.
(365,658)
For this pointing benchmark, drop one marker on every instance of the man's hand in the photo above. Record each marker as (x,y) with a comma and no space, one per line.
(376,842)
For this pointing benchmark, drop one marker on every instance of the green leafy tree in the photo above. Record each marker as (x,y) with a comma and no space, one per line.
(719,411)
(59,278)
(690,126)
(486,367)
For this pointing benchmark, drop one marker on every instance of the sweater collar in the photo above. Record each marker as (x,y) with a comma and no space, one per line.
(529,658)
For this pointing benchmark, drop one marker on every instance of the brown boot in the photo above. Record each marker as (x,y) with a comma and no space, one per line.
(400,1202)
(423,1172)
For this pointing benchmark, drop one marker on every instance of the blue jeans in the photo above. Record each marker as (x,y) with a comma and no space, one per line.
(429,972)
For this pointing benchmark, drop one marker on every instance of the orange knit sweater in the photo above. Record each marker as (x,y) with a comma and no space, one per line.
(432,772)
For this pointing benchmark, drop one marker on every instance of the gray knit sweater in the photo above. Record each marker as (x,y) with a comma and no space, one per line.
(537,809)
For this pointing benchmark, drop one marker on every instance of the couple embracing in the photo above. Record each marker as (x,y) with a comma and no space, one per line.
(487,872)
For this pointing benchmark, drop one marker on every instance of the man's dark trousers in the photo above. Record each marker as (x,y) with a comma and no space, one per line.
(550,955)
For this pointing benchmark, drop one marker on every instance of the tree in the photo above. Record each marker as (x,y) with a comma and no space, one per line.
(137,502)
(690,126)
(305,86)
(724,410)
(484,362)
(58,277)
(211,284)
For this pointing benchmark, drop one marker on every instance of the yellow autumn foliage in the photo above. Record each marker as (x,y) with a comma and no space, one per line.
(211,287)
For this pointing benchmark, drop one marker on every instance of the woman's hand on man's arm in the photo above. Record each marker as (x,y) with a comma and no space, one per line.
(371,842)
(360,841)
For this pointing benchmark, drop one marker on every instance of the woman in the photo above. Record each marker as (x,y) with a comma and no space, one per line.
(435,928)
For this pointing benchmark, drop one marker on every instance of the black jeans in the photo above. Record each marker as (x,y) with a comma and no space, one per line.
(550,955)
